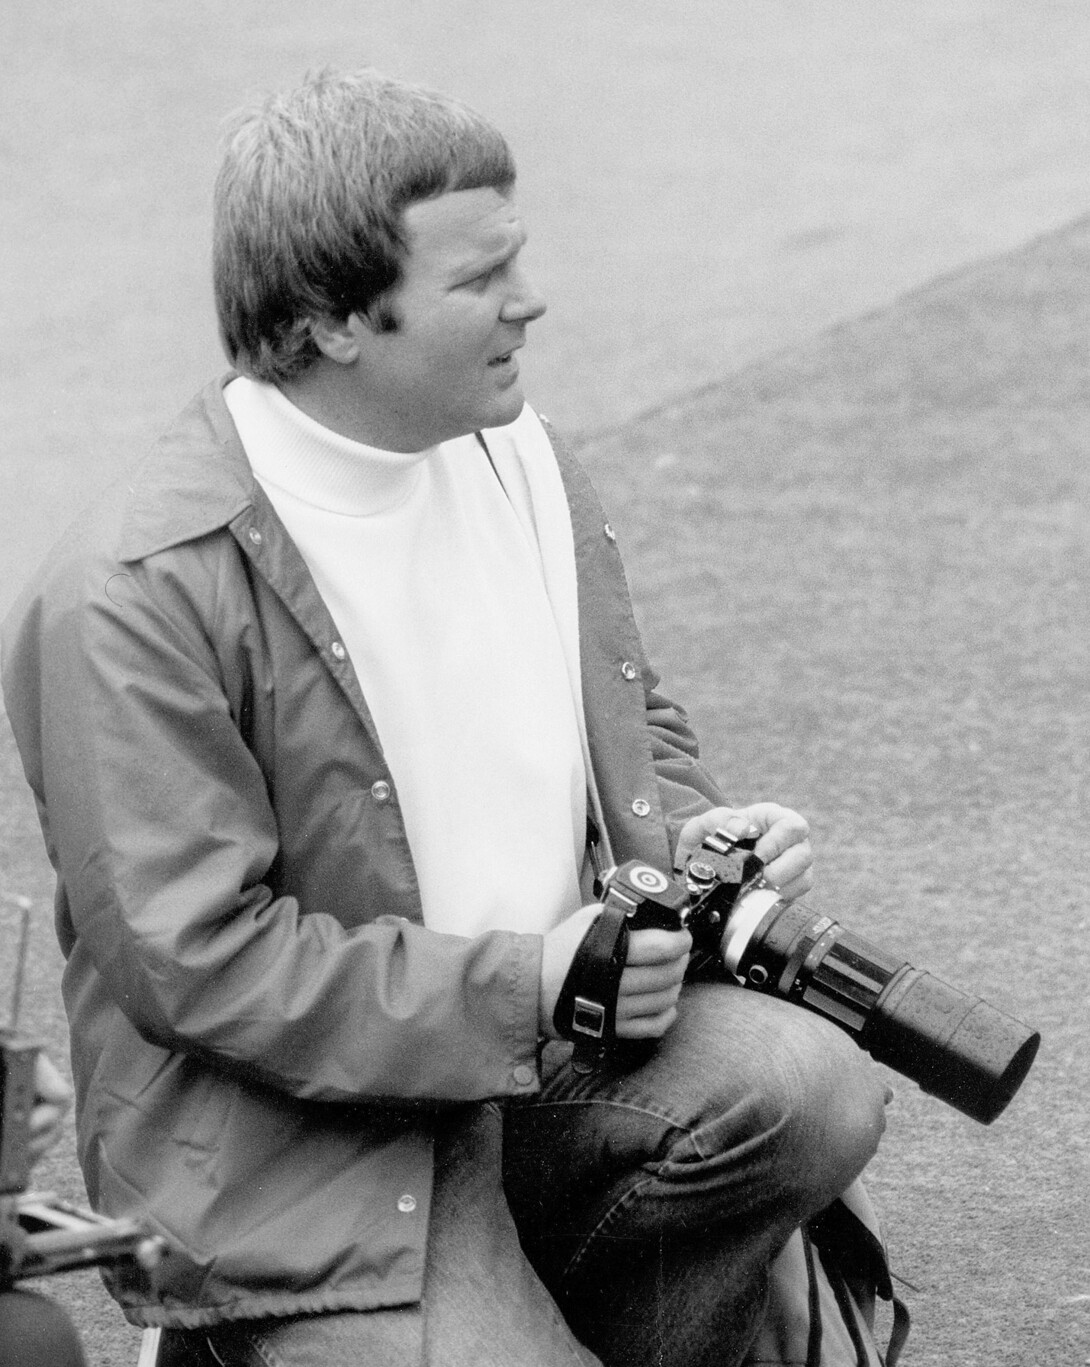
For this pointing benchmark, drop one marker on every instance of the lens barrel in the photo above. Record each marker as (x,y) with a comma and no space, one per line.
(958,1047)
(955,1046)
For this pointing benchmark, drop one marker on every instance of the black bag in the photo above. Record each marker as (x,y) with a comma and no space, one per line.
(823,1293)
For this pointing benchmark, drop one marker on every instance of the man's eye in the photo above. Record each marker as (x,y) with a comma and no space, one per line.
(478,282)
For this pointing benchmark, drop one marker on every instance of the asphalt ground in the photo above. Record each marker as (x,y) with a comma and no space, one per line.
(704,183)
(866,562)
(859,560)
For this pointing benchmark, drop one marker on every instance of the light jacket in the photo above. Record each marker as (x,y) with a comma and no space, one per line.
(264,1034)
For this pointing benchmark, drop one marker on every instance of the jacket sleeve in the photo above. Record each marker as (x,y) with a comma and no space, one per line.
(685,787)
(158,820)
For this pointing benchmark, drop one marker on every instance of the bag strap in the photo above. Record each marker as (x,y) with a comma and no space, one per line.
(849,1313)
(902,1323)
(813,1342)
(836,1230)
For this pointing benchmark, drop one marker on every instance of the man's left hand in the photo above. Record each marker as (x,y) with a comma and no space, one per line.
(784,844)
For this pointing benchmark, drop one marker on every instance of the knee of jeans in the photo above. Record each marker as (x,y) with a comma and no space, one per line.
(824,1103)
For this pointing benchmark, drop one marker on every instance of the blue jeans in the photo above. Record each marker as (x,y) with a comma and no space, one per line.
(652,1197)
(648,1200)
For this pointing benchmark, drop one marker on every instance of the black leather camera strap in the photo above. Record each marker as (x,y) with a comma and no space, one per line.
(586,1010)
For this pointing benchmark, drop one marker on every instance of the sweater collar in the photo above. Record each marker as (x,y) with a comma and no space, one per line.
(291,452)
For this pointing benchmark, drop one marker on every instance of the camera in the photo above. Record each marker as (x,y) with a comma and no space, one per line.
(956,1046)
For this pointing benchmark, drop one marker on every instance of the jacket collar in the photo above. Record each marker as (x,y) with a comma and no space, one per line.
(196,479)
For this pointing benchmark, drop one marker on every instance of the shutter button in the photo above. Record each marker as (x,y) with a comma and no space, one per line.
(523,1075)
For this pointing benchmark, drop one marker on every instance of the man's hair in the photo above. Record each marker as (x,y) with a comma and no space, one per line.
(309,203)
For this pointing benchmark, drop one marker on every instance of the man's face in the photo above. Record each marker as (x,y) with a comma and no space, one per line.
(462,308)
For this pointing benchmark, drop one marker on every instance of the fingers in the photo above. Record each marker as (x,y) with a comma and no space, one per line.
(653,947)
(792,873)
(781,828)
(646,1027)
(643,982)
(784,846)
(784,843)
(696,828)
(651,982)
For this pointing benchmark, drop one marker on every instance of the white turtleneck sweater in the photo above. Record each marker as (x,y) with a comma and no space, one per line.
(455,598)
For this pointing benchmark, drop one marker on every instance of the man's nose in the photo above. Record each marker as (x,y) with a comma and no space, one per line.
(524,303)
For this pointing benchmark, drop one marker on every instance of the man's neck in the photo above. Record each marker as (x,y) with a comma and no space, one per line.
(325,397)
(292,452)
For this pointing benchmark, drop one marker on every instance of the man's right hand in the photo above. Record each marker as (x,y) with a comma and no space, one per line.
(650,983)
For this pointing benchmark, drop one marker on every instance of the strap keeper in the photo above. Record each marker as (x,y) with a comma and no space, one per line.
(588,1018)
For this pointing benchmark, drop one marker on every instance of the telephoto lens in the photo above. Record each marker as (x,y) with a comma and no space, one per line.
(956,1046)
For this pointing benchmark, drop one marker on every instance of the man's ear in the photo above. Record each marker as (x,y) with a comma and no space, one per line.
(338,338)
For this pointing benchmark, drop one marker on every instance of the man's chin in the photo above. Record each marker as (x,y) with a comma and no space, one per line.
(501,411)
(506,408)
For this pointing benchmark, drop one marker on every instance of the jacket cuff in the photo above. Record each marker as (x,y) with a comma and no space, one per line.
(523,1072)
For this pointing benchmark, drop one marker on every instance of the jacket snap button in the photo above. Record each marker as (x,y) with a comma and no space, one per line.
(338,651)
(641,807)
(380,790)
(406,1204)
(628,669)
(255,536)
(611,535)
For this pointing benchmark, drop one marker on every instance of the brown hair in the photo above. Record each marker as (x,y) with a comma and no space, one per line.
(309,202)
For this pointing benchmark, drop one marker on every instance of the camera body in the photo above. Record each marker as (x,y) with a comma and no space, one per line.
(955,1046)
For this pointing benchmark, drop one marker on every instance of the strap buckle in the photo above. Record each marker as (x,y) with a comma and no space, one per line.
(588,1017)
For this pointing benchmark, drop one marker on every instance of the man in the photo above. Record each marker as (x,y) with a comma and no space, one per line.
(319,709)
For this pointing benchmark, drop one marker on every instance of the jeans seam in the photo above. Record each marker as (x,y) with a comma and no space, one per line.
(622,1103)
(686,1132)
(648,1174)
(607,1219)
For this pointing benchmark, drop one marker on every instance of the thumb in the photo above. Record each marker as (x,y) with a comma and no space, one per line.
(694,831)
